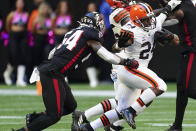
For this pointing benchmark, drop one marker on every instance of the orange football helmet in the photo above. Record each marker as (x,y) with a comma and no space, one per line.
(142,15)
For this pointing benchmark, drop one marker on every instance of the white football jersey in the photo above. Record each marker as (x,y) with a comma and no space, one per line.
(143,44)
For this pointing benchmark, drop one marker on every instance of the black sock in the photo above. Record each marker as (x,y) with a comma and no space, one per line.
(181,102)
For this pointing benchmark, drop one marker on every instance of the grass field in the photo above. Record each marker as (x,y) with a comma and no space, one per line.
(161,113)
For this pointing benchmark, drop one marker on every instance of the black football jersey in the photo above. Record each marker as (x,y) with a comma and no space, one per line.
(72,51)
(188,27)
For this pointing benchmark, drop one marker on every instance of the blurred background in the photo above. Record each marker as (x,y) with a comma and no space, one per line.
(39,27)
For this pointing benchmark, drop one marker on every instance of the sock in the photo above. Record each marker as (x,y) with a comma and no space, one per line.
(105,120)
(92,76)
(146,97)
(181,103)
(100,108)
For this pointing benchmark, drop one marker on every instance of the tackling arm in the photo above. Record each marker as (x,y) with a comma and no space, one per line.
(105,54)
(110,57)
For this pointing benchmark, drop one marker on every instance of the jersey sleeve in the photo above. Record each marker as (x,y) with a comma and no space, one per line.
(160,20)
(92,34)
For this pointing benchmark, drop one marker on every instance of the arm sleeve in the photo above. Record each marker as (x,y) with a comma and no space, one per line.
(160,20)
(108,56)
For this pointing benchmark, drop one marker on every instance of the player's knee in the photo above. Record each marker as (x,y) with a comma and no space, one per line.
(162,85)
(71,108)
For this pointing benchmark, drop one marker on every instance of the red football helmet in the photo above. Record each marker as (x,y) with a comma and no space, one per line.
(118,3)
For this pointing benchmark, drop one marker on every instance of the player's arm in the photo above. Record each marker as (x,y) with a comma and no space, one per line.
(110,57)
(164,12)
(125,39)
(164,37)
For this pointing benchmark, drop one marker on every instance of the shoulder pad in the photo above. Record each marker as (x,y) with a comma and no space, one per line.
(118,14)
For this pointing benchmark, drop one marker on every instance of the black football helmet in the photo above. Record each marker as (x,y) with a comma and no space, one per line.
(94,20)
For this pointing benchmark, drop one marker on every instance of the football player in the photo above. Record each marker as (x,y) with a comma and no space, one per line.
(76,47)
(186,84)
(119,17)
(130,80)
(106,105)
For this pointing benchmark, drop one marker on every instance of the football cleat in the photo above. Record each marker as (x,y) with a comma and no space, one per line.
(31,117)
(173,128)
(129,117)
(113,128)
(78,118)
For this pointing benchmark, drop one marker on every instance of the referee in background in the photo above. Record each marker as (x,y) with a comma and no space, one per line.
(186,83)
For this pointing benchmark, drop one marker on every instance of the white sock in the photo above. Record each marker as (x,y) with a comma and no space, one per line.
(7,74)
(20,75)
(100,108)
(92,76)
(105,120)
(146,97)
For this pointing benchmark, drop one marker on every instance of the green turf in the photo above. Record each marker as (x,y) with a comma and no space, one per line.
(171,87)
(162,111)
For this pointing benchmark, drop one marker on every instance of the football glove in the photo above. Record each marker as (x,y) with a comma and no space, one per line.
(131,63)
(164,36)
(124,37)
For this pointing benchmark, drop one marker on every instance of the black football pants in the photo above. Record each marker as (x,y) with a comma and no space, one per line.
(186,85)
(58,100)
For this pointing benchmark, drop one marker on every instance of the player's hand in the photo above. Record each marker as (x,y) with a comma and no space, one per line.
(163,35)
(125,38)
(131,63)
(174,3)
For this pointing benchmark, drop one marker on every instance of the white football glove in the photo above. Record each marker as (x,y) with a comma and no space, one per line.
(174,3)
(34,76)
(132,3)
(51,54)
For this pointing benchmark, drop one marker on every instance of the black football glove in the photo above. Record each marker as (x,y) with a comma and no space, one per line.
(131,63)
(124,37)
(164,36)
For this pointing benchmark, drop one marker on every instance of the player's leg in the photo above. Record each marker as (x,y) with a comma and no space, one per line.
(82,116)
(21,69)
(53,94)
(182,97)
(153,85)
(70,103)
(114,115)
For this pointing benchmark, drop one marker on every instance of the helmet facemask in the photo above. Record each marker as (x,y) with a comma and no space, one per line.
(100,22)
(95,21)
(147,23)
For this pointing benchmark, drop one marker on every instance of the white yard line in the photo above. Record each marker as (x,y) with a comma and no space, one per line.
(166,125)
(97,93)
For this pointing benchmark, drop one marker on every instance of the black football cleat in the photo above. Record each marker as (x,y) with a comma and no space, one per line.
(129,117)
(31,117)
(78,118)
(173,128)
(113,128)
